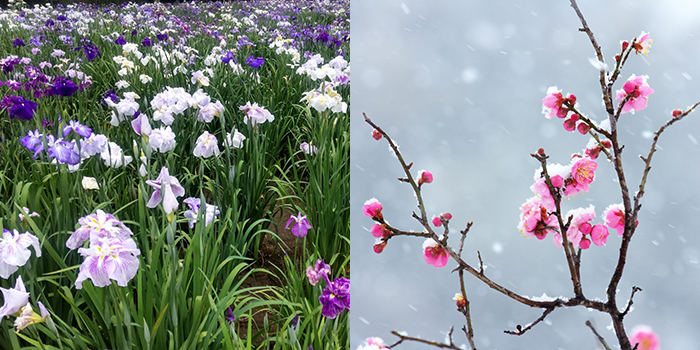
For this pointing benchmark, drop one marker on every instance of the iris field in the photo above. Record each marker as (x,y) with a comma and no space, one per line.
(158,161)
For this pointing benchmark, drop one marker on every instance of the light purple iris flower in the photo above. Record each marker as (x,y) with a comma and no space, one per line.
(15,298)
(109,259)
(98,226)
(32,139)
(211,212)
(167,189)
(63,151)
(80,129)
(206,146)
(301,226)
(14,251)
(317,272)
(256,114)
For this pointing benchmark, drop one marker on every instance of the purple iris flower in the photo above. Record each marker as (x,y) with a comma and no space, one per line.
(147,42)
(255,62)
(228,57)
(120,40)
(63,151)
(230,317)
(80,129)
(195,204)
(32,139)
(133,32)
(18,42)
(167,189)
(162,36)
(335,297)
(63,86)
(243,41)
(91,51)
(301,226)
(22,108)
(317,272)
(110,95)
(61,18)
(50,22)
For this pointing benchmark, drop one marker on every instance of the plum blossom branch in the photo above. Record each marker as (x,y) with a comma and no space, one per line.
(647,160)
(597,335)
(520,330)
(607,91)
(402,338)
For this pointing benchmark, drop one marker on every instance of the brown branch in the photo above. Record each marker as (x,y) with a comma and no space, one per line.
(607,94)
(635,289)
(598,336)
(402,338)
(520,330)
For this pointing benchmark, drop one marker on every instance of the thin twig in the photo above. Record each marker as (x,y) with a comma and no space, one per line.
(598,336)
(520,330)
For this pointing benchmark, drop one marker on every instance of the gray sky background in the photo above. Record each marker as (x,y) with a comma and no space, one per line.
(459,86)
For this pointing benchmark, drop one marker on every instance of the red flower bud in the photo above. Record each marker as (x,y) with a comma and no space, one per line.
(617,58)
(606,143)
(677,112)
(379,247)
(376,134)
(625,45)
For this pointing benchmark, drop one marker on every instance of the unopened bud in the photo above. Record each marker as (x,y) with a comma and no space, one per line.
(583,128)
(541,152)
(625,45)
(572,99)
(376,134)
(617,58)
(677,112)
(606,144)
(379,247)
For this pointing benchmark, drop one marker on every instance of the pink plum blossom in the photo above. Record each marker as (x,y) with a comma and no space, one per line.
(638,91)
(424,177)
(642,44)
(373,208)
(554,104)
(437,220)
(645,338)
(377,230)
(373,343)
(614,216)
(583,172)
(599,234)
(14,251)
(579,227)
(15,298)
(534,219)
(434,254)
(167,189)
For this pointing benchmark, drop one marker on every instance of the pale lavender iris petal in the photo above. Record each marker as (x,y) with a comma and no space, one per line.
(14,298)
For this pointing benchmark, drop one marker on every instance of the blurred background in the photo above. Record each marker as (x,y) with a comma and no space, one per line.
(459,86)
